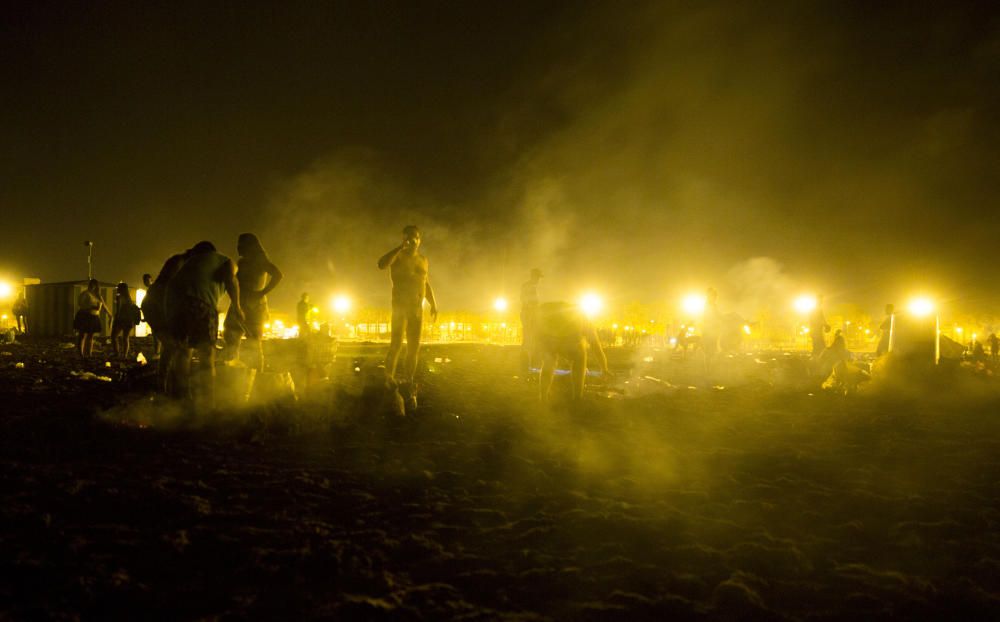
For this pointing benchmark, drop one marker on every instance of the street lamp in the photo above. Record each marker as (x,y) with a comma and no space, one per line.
(922,307)
(591,304)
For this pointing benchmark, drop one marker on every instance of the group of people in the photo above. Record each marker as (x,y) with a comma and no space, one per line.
(87,321)
(181,309)
(181,302)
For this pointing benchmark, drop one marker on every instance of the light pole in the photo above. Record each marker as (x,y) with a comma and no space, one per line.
(90,258)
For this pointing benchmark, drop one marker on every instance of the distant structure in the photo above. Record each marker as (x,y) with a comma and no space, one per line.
(51,307)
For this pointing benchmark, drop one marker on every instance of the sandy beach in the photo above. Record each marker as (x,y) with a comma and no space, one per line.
(655,498)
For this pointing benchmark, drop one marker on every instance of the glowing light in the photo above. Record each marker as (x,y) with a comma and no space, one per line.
(920,307)
(693,304)
(4,317)
(340,303)
(805,303)
(267,326)
(140,295)
(614,327)
(591,304)
(500,304)
(315,309)
(503,324)
(746,328)
(6,289)
(868,331)
(958,329)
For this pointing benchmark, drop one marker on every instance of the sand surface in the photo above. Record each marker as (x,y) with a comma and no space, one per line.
(747,495)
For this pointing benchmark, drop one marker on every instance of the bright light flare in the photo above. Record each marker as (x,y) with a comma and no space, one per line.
(746,329)
(920,307)
(591,304)
(500,304)
(340,303)
(6,289)
(140,295)
(693,304)
(805,303)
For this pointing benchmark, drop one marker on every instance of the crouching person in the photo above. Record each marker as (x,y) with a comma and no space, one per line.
(192,304)
(563,330)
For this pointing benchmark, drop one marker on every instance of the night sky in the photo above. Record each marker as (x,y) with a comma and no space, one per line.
(637,148)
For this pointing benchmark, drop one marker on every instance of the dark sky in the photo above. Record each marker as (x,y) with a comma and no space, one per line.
(637,148)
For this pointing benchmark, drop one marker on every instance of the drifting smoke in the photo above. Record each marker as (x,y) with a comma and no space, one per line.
(682,142)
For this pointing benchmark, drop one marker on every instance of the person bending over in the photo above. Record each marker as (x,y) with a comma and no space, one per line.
(563,331)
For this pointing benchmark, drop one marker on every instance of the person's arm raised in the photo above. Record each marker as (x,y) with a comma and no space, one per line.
(386,260)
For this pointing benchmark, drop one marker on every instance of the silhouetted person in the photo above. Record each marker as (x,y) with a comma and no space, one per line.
(87,322)
(994,342)
(20,311)
(529,317)
(712,328)
(563,330)
(154,312)
(257,277)
(885,331)
(192,303)
(408,270)
(817,327)
(302,315)
(147,282)
(978,353)
(127,317)
(836,353)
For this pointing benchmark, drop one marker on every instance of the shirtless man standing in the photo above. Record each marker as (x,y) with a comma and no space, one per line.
(410,285)
(257,276)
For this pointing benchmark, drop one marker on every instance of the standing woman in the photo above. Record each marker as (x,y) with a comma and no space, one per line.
(127,317)
(257,276)
(88,319)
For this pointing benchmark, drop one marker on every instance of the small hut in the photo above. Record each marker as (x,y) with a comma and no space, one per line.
(52,306)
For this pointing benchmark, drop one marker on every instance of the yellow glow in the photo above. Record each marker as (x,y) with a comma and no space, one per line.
(500,304)
(340,303)
(279,326)
(920,307)
(6,289)
(868,331)
(614,327)
(4,317)
(958,329)
(140,295)
(693,304)
(267,326)
(591,304)
(315,309)
(746,328)
(503,324)
(805,303)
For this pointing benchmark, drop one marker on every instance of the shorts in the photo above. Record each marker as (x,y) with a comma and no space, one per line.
(567,346)
(408,317)
(254,318)
(194,323)
(125,327)
(86,322)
